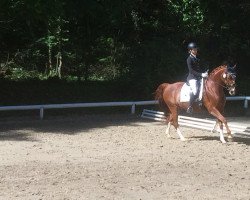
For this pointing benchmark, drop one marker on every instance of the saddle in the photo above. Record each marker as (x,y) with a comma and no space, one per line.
(186,91)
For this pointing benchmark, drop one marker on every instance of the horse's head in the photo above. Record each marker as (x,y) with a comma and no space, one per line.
(228,77)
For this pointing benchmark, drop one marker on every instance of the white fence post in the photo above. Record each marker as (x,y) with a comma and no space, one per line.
(41,113)
(246,103)
(133,109)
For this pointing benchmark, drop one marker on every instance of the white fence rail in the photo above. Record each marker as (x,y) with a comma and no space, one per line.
(133,105)
(77,105)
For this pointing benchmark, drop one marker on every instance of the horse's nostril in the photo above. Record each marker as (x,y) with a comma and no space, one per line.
(232,92)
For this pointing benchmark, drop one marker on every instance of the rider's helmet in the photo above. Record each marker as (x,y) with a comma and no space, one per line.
(191,46)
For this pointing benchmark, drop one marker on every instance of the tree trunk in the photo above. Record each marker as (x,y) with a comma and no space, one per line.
(50,59)
(59,69)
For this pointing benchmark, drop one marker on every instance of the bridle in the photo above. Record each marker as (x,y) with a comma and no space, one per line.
(228,87)
(231,86)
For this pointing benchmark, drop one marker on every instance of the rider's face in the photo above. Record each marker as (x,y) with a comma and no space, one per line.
(194,51)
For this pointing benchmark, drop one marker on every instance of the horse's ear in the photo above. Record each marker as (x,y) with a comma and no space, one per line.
(235,65)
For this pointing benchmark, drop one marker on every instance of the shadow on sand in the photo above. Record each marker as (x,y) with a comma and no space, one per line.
(238,138)
(24,129)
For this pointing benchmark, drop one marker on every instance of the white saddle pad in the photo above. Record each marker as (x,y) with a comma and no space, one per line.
(186,90)
(185,93)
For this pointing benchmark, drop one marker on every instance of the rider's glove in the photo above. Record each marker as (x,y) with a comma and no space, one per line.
(204,75)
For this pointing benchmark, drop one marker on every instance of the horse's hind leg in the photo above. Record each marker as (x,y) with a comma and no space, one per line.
(174,112)
(169,125)
(168,130)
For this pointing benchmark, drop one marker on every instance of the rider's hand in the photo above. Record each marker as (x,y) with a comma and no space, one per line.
(204,75)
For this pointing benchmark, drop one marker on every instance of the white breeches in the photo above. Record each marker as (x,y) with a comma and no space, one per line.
(193,85)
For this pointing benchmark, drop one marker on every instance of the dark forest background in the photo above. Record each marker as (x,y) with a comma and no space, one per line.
(62,51)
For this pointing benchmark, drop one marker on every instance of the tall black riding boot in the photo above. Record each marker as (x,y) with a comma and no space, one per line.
(191,101)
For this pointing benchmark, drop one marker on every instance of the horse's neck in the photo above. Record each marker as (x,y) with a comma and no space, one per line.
(215,80)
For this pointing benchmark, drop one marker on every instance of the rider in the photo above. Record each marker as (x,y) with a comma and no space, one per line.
(195,73)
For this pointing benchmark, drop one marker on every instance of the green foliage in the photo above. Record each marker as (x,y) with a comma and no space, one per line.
(156,61)
(18,74)
(135,41)
(110,63)
(191,15)
(54,90)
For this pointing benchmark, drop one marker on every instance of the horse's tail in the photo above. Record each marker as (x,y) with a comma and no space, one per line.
(159,96)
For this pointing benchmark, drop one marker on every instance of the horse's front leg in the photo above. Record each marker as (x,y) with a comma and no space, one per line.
(222,121)
(214,130)
(180,134)
(229,134)
(222,139)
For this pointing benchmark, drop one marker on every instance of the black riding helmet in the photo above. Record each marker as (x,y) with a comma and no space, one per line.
(192,45)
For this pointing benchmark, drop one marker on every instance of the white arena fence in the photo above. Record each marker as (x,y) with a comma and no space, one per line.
(77,105)
(132,104)
(204,124)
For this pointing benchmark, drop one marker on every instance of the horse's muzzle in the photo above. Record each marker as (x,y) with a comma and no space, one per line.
(231,90)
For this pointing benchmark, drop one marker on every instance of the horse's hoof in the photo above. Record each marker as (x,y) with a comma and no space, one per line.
(223,142)
(230,139)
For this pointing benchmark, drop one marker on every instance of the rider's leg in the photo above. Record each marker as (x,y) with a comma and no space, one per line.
(193,85)
(191,101)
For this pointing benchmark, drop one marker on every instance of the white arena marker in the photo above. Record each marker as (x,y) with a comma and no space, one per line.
(204,124)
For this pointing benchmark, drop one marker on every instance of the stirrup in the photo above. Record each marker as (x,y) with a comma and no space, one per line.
(190,110)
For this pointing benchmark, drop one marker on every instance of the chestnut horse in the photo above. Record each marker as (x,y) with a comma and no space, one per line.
(213,99)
